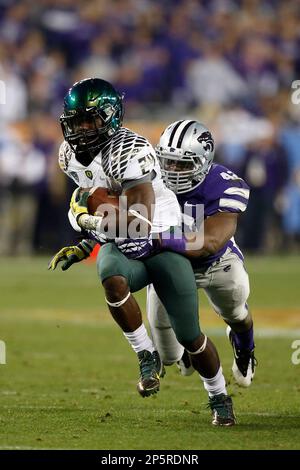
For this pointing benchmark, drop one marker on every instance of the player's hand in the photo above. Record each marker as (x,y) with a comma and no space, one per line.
(78,203)
(70,255)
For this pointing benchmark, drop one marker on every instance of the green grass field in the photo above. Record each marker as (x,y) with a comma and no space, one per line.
(70,376)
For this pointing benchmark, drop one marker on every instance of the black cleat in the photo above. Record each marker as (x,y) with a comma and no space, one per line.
(151,369)
(244,363)
(222,410)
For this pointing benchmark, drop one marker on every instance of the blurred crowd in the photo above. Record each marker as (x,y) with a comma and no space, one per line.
(228,63)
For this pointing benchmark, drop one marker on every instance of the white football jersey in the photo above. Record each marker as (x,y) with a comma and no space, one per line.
(125,158)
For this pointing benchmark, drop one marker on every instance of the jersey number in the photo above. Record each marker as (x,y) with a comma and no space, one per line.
(146,163)
(229,175)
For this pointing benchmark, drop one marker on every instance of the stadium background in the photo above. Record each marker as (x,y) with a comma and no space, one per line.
(230,64)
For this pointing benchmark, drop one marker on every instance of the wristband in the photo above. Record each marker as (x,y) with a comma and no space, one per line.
(90,222)
(87,246)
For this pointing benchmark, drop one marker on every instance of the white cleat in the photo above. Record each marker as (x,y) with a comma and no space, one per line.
(185,365)
(244,363)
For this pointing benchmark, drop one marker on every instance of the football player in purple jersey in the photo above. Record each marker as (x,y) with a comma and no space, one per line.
(186,151)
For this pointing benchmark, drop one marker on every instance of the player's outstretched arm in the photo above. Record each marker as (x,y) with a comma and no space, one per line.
(72,254)
(218,230)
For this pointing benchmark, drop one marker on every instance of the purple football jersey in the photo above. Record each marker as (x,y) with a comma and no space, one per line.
(221,191)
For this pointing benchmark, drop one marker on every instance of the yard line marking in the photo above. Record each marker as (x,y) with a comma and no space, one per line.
(261,332)
(28,448)
(50,407)
(271,415)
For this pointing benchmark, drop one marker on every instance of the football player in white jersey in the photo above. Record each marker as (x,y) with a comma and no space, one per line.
(187,166)
(97,152)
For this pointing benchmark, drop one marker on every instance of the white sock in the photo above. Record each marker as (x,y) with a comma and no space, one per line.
(216,384)
(139,339)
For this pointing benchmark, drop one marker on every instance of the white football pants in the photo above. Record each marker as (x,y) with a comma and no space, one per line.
(226,284)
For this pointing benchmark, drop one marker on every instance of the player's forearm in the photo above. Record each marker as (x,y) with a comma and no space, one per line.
(191,245)
(140,204)
(211,246)
(90,222)
(216,233)
(125,224)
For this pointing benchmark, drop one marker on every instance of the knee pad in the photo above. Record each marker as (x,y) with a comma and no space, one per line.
(238,309)
(237,314)
(231,302)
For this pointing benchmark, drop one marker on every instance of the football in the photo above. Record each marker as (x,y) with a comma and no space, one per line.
(100,196)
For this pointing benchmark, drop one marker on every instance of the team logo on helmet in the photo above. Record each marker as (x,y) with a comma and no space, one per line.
(206,140)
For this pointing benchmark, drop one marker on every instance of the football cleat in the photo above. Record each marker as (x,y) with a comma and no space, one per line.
(185,365)
(244,362)
(151,369)
(222,410)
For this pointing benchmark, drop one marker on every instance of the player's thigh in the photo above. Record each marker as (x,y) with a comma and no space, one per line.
(229,289)
(170,350)
(174,281)
(111,262)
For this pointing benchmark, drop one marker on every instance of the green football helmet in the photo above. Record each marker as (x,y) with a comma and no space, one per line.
(93,112)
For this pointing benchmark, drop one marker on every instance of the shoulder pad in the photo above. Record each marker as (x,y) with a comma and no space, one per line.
(229,191)
(127,155)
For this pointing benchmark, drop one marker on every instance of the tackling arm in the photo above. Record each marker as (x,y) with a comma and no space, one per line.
(218,229)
